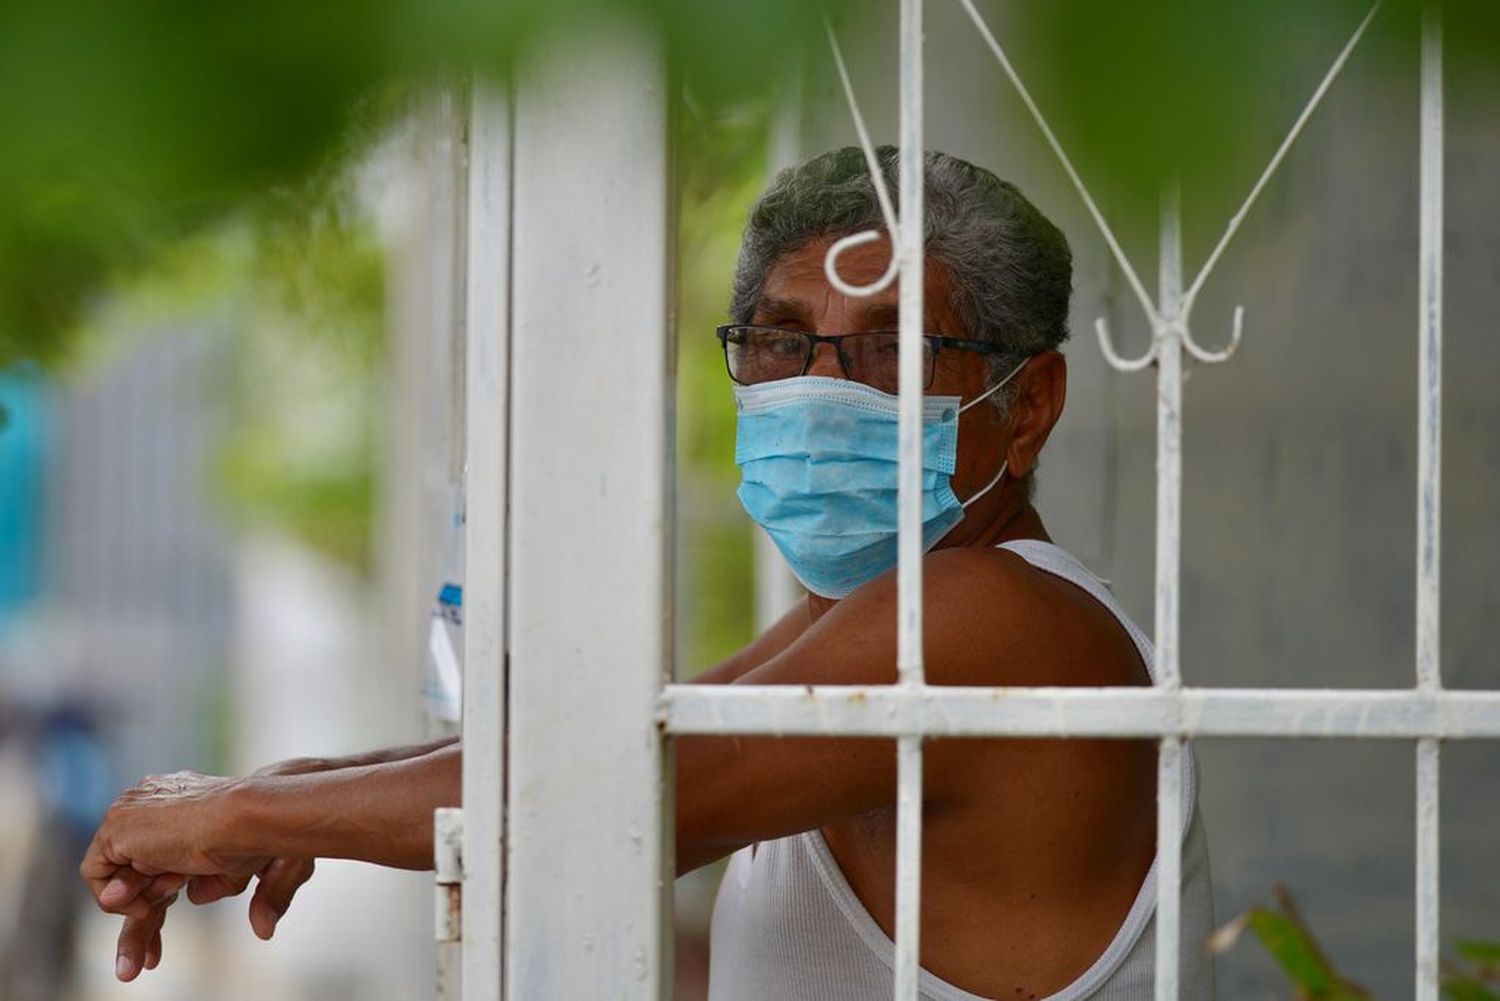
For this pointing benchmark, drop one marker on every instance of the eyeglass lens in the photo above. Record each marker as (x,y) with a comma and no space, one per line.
(761,354)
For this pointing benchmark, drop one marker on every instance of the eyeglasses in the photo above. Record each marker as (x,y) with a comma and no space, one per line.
(755,354)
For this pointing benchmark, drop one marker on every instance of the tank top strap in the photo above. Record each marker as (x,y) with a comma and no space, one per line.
(1056,560)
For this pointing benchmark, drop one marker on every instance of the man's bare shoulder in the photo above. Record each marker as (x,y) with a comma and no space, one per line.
(992,618)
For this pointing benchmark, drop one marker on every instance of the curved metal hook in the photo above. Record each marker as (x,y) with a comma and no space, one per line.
(830,265)
(1214,357)
(877,178)
(1117,362)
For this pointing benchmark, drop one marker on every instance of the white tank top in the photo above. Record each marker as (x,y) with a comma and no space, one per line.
(787,926)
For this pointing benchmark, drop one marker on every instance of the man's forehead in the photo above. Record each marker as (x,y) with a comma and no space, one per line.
(863,311)
(797,287)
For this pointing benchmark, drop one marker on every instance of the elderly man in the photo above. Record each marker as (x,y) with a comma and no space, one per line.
(1039,855)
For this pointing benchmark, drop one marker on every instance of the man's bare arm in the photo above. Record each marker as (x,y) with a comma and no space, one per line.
(380,756)
(272,824)
(777,637)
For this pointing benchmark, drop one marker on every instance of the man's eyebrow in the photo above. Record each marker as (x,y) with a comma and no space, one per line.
(772,305)
(873,316)
(883,315)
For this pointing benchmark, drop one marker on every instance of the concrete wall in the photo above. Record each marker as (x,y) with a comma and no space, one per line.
(1299,505)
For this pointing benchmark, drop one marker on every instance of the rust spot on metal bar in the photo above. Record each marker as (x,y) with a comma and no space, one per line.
(454,914)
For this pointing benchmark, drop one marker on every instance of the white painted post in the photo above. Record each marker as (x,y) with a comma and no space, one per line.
(1429,485)
(487,383)
(448,879)
(776,590)
(1168,338)
(909,668)
(588,835)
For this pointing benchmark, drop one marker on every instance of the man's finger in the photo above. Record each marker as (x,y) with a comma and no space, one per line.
(120,894)
(97,865)
(279,882)
(153,951)
(161,887)
(140,942)
(207,889)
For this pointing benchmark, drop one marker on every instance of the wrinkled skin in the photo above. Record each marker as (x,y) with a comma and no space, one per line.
(121,865)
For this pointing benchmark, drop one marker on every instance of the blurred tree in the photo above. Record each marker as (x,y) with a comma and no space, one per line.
(129,126)
(721,167)
(303,453)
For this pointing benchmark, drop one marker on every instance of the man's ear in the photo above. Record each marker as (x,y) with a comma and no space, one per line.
(1041,391)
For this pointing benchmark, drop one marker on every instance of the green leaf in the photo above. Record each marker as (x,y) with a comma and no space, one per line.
(1487,953)
(1293,949)
(1290,942)
(1467,989)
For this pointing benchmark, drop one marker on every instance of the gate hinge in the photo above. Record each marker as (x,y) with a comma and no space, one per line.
(448,860)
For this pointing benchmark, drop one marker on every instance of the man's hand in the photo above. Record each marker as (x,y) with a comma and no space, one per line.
(175,824)
(211,835)
(143,898)
(139,946)
(277,882)
(156,838)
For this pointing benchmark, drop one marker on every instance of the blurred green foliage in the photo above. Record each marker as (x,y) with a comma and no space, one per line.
(1283,932)
(129,126)
(1186,87)
(1475,974)
(1204,90)
(294,291)
(721,167)
(303,452)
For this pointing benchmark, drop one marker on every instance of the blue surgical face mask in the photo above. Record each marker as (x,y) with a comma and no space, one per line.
(818,467)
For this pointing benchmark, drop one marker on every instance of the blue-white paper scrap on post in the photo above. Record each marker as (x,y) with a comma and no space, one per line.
(442,688)
(443,680)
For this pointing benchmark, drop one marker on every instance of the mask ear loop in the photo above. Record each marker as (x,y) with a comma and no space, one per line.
(998,477)
(1004,464)
(996,387)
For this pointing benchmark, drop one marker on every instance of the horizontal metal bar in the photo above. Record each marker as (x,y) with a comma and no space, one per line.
(952,711)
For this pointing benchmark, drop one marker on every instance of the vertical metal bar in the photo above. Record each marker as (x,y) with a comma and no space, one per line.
(1429,486)
(1168,867)
(462,95)
(909,502)
(1168,567)
(1430,349)
(909,566)
(487,390)
(785,139)
(1168,335)
(447,861)
(908,865)
(776,590)
(588,830)
(1427,869)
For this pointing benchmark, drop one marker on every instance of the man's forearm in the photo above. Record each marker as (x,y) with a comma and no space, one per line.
(301,766)
(379,812)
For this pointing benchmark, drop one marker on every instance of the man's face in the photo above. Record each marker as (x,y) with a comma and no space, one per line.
(797,296)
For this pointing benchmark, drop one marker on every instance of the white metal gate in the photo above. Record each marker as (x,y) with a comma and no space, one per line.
(568,511)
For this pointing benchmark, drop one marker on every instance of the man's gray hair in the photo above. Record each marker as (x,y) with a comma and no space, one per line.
(1010,268)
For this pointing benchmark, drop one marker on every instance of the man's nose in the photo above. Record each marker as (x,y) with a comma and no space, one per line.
(825,361)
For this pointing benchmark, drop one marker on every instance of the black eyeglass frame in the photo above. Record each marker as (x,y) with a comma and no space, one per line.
(935,341)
